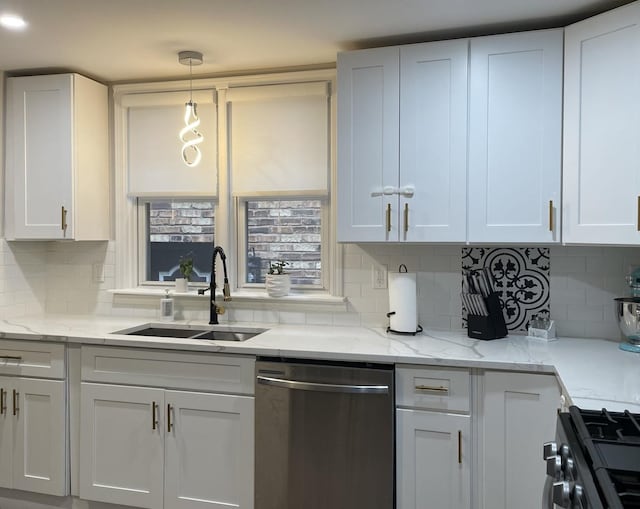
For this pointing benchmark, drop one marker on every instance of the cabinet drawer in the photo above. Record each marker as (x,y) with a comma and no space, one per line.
(31,359)
(209,372)
(433,388)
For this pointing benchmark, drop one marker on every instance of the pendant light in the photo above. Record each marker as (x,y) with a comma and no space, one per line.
(189,134)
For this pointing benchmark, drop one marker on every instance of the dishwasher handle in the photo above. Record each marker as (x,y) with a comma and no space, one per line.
(322,387)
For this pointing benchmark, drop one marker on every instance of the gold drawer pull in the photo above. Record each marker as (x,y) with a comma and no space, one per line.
(15,402)
(550,215)
(430,388)
(11,357)
(169,423)
(638,209)
(459,447)
(3,405)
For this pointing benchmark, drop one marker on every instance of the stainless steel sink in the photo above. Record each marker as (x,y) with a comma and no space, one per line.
(212,332)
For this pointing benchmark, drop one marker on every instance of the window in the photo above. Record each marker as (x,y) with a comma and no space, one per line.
(263,185)
(288,230)
(176,229)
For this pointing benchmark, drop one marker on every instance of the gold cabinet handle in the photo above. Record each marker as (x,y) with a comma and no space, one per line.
(550,215)
(15,402)
(3,405)
(63,219)
(388,217)
(638,210)
(154,417)
(430,388)
(169,423)
(459,447)
(406,217)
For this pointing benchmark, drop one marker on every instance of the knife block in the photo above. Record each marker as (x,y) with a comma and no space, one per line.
(488,327)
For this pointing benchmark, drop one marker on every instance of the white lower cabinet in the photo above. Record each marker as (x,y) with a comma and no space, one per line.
(472,439)
(121,445)
(434,466)
(208,451)
(519,415)
(147,447)
(33,417)
(32,435)
(433,437)
(161,448)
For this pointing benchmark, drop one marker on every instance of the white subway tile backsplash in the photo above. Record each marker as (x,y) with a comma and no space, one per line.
(292,317)
(346,319)
(58,278)
(569,264)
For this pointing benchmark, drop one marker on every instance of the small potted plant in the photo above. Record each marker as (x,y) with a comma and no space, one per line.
(278,282)
(186,268)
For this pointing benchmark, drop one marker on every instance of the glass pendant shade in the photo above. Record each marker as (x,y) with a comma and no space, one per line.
(190,136)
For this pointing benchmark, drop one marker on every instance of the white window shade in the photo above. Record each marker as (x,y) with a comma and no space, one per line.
(279,139)
(154,149)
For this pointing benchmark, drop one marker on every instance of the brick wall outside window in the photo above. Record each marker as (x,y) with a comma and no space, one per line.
(288,230)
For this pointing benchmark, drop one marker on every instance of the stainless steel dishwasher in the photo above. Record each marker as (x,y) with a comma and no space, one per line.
(324,435)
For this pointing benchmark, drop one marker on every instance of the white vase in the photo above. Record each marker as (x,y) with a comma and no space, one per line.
(181,285)
(278,285)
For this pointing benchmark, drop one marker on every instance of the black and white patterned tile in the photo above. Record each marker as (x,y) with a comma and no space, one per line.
(521,277)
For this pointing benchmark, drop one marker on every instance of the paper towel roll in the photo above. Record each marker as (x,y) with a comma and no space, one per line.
(403,302)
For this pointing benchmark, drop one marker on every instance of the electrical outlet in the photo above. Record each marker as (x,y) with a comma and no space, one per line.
(379,276)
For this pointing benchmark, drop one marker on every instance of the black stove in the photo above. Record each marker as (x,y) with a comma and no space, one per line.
(595,462)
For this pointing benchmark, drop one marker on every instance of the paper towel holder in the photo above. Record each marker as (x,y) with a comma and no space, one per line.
(391,313)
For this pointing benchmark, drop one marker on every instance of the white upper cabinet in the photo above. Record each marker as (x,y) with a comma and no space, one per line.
(368,143)
(57,165)
(433,141)
(402,122)
(515,123)
(601,191)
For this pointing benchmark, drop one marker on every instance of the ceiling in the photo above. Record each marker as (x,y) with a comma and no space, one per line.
(132,40)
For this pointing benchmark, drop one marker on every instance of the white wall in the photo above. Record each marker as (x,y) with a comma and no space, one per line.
(59,277)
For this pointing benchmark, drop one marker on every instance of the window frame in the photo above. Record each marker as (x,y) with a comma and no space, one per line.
(130,224)
(241,229)
(143,236)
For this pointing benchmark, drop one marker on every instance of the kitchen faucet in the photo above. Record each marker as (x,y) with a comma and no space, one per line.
(215,310)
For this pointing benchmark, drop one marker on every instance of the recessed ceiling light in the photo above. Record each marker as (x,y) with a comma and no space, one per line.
(12,21)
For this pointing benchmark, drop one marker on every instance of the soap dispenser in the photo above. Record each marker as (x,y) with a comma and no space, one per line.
(166,307)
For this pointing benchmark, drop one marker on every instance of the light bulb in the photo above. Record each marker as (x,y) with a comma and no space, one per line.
(12,22)
(190,136)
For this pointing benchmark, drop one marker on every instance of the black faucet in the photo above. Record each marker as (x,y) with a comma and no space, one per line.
(215,310)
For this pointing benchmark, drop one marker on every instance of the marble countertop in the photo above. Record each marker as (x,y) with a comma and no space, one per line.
(594,373)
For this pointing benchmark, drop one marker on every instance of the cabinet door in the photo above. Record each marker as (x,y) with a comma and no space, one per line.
(39,134)
(433,140)
(209,451)
(7,386)
(368,144)
(515,135)
(433,464)
(519,416)
(40,438)
(601,181)
(121,445)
